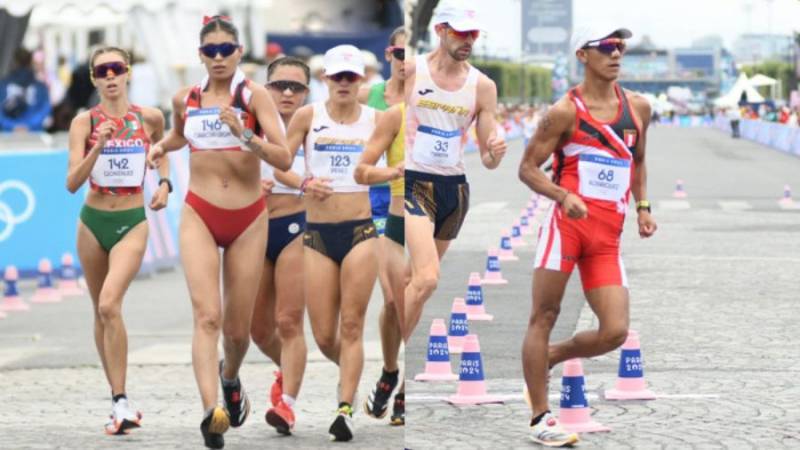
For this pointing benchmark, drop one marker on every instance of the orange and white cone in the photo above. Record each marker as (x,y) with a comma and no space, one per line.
(679,192)
(630,379)
(471,383)
(11,298)
(68,279)
(459,327)
(437,365)
(475,306)
(506,248)
(493,275)
(45,292)
(575,414)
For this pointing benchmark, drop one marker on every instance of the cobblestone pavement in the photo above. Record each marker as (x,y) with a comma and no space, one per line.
(714,297)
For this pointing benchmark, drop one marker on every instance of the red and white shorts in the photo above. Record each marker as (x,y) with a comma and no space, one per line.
(592,243)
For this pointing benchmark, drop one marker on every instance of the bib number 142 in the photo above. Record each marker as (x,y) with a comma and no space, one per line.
(118,164)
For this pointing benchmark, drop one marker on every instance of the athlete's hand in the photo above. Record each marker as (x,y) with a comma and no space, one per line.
(154,156)
(497,147)
(401,170)
(229,117)
(104,132)
(647,225)
(574,207)
(319,188)
(266,187)
(160,197)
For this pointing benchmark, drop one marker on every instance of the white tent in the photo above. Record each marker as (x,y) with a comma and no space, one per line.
(759,80)
(742,86)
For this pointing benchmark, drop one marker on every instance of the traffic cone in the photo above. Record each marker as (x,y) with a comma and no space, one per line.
(471,384)
(68,280)
(475,308)
(524,225)
(575,414)
(11,299)
(437,366)
(516,235)
(45,292)
(787,196)
(506,250)
(630,380)
(493,274)
(679,192)
(459,327)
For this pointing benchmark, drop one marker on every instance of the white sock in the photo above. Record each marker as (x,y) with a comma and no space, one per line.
(288,399)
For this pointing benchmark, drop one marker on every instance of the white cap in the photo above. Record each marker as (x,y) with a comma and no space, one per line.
(370,60)
(344,58)
(583,35)
(460,15)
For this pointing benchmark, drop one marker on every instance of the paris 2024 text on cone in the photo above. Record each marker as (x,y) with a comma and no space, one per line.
(475,306)
(471,382)
(437,364)
(630,383)
(575,414)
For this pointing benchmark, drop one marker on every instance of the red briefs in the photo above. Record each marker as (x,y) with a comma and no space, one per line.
(592,243)
(225,225)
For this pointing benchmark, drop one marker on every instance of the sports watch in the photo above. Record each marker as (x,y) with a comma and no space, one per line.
(643,205)
(247,136)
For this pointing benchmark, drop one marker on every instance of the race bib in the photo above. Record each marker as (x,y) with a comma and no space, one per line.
(120,165)
(206,131)
(604,178)
(437,147)
(337,162)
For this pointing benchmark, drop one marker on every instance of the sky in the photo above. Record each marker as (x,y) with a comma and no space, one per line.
(671,23)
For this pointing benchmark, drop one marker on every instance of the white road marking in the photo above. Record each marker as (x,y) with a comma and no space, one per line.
(734,205)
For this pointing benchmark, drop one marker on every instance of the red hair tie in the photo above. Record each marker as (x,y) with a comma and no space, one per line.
(207,19)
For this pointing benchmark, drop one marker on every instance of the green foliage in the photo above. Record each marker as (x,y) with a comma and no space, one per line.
(507,76)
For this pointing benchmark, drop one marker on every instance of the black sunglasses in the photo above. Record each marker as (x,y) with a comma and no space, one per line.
(116,67)
(398,52)
(349,76)
(281,85)
(225,49)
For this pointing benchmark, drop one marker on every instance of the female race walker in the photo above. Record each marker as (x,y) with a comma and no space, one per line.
(340,235)
(108,145)
(222,120)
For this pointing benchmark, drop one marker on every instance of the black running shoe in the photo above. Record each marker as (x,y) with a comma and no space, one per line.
(215,422)
(376,404)
(399,410)
(342,427)
(235,399)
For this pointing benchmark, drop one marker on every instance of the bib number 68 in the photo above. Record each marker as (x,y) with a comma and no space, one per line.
(606,175)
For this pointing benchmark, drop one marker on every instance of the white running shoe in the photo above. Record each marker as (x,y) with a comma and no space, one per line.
(550,433)
(122,418)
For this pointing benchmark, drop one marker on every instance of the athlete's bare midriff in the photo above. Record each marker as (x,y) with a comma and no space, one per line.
(230,180)
(282,205)
(339,207)
(108,202)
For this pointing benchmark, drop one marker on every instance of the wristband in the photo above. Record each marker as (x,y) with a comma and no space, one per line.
(165,180)
(565,196)
(643,205)
(304,184)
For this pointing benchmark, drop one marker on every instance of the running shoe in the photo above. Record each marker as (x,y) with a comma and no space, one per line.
(281,417)
(276,391)
(376,404)
(399,410)
(236,401)
(550,433)
(122,418)
(342,427)
(215,423)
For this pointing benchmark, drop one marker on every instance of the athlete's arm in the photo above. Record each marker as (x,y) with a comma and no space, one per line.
(492,147)
(647,226)
(154,120)
(385,132)
(554,127)
(274,149)
(174,140)
(295,135)
(79,167)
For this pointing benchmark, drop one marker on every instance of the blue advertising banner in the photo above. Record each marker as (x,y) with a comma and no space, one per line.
(38,216)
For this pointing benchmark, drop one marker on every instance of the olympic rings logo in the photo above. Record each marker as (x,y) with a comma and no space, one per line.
(7,216)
